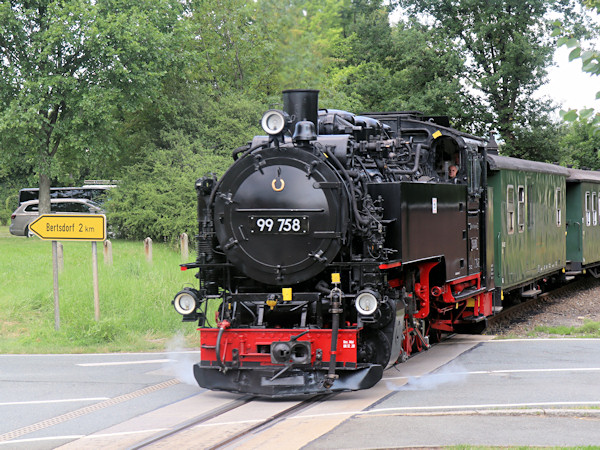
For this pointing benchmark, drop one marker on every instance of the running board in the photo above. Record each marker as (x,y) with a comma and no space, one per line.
(531,293)
(467,293)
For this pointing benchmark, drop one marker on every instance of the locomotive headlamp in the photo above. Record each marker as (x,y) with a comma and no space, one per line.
(186,302)
(366,303)
(274,121)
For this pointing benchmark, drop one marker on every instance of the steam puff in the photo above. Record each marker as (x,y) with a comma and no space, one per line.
(445,375)
(181,365)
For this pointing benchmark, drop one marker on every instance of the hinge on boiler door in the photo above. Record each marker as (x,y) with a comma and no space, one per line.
(318,256)
(259,163)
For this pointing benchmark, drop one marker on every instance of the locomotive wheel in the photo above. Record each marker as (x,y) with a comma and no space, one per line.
(374,347)
(435,336)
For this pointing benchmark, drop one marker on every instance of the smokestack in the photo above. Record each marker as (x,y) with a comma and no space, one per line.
(492,145)
(302,104)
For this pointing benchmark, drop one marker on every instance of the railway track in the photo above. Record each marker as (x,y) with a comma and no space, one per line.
(164,439)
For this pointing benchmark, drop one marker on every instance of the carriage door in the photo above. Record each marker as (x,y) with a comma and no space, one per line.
(474,210)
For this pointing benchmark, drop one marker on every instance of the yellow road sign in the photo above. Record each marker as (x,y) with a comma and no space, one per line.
(70,227)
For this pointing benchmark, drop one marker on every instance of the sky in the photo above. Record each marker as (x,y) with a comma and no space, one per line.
(569,85)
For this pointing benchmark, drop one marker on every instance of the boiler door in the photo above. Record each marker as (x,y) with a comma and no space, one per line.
(281,215)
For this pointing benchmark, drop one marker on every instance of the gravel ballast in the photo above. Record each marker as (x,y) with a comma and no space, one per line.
(572,309)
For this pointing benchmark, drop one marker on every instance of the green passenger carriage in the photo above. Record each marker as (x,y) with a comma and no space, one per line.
(529,225)
(583,222)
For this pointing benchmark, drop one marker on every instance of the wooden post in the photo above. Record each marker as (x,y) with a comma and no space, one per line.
(60,257)
(108,257)
(55,276)
(95,281)
(148,249)
(185,253)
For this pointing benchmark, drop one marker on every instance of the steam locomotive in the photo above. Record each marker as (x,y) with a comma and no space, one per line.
(337,245)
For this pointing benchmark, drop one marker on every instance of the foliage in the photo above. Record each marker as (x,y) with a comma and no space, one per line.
(70,70)
(540,140)
(157,93)
(374,66)
(590,60)
(581,145)
(156,197)
(506,47)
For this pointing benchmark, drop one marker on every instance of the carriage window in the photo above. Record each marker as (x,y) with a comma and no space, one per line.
(558,207)
(510,208)
(594,212)
(588,210)
(521,209)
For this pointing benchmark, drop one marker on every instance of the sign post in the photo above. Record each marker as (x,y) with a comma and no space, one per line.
(71,227)
(55,278)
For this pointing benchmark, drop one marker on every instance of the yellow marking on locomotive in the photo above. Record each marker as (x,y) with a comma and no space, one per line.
(271,304)
(437,134)
(287,294)
(274,184)
(335,278)
(470,302)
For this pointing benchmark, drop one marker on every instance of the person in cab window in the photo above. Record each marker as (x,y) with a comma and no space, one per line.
(452,172)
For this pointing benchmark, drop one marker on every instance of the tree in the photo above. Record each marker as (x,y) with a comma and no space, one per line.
(590,58)
(581,145)
(72,71)
(507,49)
(375,66)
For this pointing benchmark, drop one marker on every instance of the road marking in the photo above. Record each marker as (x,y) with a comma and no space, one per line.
(593,403)
(124,363)
(83,436)
(80,355)
(499,408)
(66,400)
(442,408)
(490,372)
(85,410)
(573,339)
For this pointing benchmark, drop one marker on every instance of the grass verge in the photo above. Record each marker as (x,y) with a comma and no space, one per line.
(135,298)
(589,329)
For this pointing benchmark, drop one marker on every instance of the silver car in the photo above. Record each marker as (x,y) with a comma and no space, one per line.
(29,211)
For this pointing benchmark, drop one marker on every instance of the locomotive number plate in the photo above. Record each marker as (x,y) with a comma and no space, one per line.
(279,225)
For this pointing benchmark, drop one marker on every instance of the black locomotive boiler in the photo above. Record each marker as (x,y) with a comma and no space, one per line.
(335,246)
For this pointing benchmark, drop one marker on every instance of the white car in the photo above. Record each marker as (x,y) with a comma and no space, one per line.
(29,211)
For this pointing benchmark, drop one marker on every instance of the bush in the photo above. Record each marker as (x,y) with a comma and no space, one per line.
(5,216)
(156,198)
(10,204)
